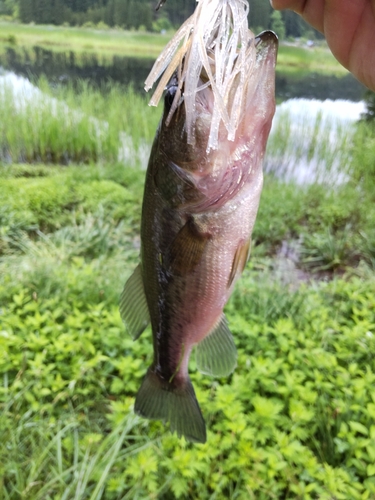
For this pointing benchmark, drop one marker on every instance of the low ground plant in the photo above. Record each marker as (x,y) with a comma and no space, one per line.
(295,420)
(91,40)
(328,251)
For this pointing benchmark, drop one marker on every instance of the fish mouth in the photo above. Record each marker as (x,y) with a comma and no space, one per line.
(217,104)
(204,101)
(267,37)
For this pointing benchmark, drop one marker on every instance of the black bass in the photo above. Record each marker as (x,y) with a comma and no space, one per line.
(198,213)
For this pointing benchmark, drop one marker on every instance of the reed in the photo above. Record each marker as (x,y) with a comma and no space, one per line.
(309,149)
(82,124)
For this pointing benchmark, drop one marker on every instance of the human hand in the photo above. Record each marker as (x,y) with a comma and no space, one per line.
(349,28)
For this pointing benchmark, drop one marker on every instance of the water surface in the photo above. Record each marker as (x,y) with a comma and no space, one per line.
(309,141)
(69,67)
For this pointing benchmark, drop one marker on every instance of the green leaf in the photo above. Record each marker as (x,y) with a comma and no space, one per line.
(358,427)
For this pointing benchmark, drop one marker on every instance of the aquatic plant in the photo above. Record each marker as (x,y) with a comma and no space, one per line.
(308,144)
(62,125)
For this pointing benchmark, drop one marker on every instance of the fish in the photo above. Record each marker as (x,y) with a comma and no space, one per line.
(198,213)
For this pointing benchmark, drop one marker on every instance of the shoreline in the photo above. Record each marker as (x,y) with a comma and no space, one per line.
(293,58)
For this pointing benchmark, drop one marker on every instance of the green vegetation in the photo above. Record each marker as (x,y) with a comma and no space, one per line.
(140,14)
(296,420)
(81,124)
(139,44)
(101,42)
(277,24)
(300,60)
(292,60)
(325,142)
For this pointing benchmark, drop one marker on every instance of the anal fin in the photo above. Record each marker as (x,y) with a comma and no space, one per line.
(133,305)
(216,354)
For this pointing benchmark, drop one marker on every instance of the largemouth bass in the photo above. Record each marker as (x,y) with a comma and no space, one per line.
(198,213)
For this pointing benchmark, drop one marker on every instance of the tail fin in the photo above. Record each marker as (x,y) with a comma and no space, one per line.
(175,403)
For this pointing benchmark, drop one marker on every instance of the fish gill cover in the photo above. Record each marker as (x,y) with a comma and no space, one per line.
(215,38)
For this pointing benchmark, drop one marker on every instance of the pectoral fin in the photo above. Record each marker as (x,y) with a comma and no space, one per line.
(133,304)
(240,258)
(187,249)
(216,354)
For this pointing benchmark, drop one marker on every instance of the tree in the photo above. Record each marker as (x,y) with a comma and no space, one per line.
(135,13)
(57,12)
(259,14)
(277,24)
(26,10)
(8,7)
(109,17)
(177,10)
(293,23)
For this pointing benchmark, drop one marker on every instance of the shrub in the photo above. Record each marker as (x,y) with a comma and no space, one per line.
(11,39)
(328,252)
(49,201)
(88,24)
(102,26)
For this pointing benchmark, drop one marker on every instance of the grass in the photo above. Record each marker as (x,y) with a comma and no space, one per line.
(291,59)
(299,60)
(297,417)
(76,457)
(309,149)
(100,42)
(81,125)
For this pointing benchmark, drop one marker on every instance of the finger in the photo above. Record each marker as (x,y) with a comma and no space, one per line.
(296,5)
(350,34)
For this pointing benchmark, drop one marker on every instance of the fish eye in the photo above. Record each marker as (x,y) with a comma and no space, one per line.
(169,96)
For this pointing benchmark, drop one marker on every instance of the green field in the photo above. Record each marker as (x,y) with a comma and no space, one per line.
(140,44)
(300,60)
(296,420)
(100,42)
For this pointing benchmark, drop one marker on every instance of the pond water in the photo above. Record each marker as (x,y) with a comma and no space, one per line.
(68,67)
(308,141)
